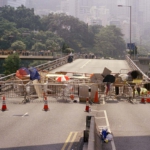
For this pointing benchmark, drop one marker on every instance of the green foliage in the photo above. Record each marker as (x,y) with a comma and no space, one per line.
(38,46)
(11,64)
(64,47)
(68,50)
(22,16)
(109,42)
(18,45)
(51,31)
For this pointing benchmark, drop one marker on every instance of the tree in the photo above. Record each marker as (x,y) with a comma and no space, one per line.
(109,42)
(7,31)
(68,50)
(11,64)
(18,45)
(38,46)
(22,16)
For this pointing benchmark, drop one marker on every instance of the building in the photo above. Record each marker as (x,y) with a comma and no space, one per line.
(2,3)
(16,3)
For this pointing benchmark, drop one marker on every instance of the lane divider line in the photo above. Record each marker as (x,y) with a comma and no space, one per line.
(99,117)
(97,110)
(66,142)
(71,142)
(107,123)
(85,64)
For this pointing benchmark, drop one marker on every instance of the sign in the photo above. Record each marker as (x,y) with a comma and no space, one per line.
(131,46)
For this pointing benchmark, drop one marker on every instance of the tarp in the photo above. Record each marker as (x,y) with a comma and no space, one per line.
(34,74)
(23,73)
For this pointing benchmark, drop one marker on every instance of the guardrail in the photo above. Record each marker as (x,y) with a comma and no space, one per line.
(135,67)
(50,65)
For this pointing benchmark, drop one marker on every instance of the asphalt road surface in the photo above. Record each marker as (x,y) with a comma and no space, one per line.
(28,127)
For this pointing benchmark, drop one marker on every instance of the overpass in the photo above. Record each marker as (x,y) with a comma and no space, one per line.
(79,66)
(31,57)
(51,65)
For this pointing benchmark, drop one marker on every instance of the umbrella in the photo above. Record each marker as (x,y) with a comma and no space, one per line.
(109,78)
(62,78)
(23,73)
(34,74)
(134,74)
(124,77)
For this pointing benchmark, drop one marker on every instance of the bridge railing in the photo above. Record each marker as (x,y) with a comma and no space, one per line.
(135,67)
(50,65)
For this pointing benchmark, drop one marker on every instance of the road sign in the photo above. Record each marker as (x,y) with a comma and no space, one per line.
(131,46)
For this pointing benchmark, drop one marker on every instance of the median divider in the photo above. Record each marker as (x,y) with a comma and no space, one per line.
(91,135)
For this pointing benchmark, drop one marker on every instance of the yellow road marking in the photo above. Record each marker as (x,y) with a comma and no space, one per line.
(71,142)
(68,140)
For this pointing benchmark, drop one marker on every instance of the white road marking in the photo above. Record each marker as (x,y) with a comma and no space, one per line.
(99,117)
(107,123)
(97,110)
(85,64)
(26,114)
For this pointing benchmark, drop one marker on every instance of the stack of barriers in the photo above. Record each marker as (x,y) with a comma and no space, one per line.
(131,91)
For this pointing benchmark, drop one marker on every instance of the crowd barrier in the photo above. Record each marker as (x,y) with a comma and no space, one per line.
(54,90)
(50,65)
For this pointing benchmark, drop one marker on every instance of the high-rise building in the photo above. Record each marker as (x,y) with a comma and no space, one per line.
(16,3)
(2,3)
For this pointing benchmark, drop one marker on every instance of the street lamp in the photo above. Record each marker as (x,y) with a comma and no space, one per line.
(130,21)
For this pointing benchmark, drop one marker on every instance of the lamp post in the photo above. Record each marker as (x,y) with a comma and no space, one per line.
(130,22)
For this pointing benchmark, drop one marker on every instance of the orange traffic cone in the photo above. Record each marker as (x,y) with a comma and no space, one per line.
(87,108)
(4,107)
(96,100)
(45,104)
(72,97)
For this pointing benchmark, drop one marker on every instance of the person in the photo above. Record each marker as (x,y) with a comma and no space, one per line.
(107,87)
(70,57)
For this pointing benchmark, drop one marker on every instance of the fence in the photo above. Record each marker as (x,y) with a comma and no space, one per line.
(50,65)
(35,90)
(135,67)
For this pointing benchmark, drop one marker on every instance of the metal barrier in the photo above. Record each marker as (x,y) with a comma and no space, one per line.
(50,65)
(135,67)
(34,90)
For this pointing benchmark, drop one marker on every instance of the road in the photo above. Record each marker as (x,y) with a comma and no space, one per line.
(94,66)
(28,127)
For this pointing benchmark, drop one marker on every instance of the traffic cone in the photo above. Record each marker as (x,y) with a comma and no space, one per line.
(45,104)
(87,105)
(72,97)
(96,100)
(4,107)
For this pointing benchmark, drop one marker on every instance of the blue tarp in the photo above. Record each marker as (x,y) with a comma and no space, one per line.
(34,74)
